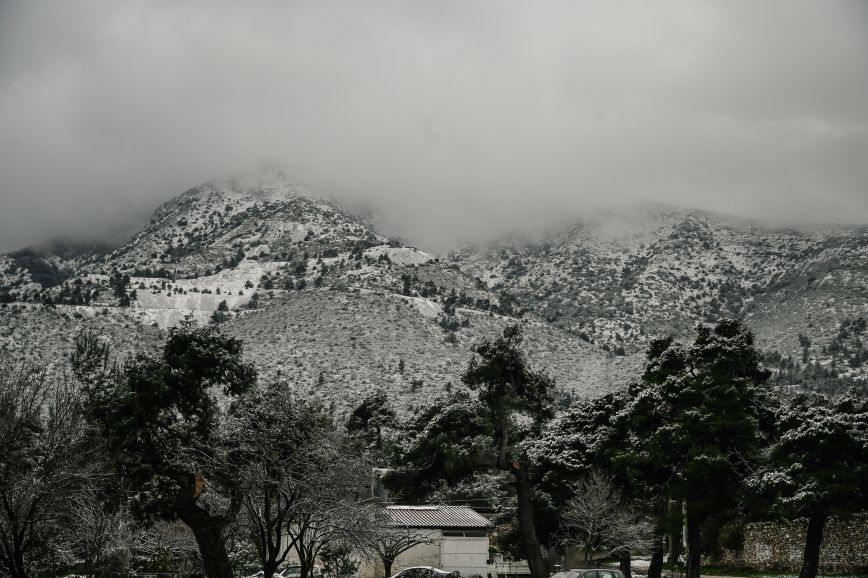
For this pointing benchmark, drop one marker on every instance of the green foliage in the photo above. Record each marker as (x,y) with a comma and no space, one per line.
(446,441)
(699,413)
(590,434)
(118,282)
(819,460)
(41,271)
(731,536)
(159,412)
(370,418)
(507,386)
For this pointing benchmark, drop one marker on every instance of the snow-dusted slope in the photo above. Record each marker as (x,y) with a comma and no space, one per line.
(319,297)
(344,344)
(211,226)
(620,278)
(323,299)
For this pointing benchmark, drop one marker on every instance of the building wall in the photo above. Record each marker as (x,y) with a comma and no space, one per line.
(780,545)
(421,555)
(467,555)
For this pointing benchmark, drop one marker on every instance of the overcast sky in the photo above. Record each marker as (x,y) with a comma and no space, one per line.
(456,115)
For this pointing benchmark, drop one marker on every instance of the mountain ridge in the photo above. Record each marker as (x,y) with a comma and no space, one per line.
(262,252)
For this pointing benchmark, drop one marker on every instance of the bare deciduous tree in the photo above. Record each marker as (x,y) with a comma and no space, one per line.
(392,541)
(169,547)
(274,440)
(304,485)
(42,461)
(602,522)
(336,507)
(93,529)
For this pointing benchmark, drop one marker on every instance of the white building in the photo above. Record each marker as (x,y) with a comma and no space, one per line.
(458,536)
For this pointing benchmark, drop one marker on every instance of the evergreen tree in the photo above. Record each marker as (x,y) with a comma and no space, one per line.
(697,417)
(370,418)
(818,466)
(159,415)
(594,434)
(446,441)
(517,401)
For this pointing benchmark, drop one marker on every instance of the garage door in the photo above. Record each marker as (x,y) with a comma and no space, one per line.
(468,555)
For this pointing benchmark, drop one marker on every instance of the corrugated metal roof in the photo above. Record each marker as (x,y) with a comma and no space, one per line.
(437,517)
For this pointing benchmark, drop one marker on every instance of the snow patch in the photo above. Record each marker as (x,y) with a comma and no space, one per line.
(400,255)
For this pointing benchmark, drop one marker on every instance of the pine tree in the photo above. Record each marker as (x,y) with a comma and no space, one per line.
(696,417)
(156,412)
(518,401)
(370,418)
(818,466)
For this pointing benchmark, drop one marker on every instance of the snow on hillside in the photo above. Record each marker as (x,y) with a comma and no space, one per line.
(619,281)
(321,298)
(343,345)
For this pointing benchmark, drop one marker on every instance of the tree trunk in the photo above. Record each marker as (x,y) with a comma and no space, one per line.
(387,567)
(212,549)
(813,542)
(307,555)
(694,543)
(526,524)
(11,550)
(624,564)
(674,547)
(269,568)
(13,559)
(675,536)
(655,569)
(208,531)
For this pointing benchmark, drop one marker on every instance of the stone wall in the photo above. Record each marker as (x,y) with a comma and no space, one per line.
(780,545)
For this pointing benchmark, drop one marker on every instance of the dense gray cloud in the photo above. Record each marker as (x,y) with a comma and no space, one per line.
(456,116)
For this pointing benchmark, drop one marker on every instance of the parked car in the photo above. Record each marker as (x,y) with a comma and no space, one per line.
(588,573)
(427,572)
(293,571)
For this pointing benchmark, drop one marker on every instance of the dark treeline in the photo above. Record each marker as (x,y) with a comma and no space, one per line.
(179,462)
(704,439)
(186,462)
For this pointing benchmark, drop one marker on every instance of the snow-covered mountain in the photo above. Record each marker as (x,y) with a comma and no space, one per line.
(326,301)
(619,277)
(319,296)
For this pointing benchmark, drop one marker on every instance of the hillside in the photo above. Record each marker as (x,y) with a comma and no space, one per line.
(342,344)
(324,300)
(619,278)
(320,298)
(45,336)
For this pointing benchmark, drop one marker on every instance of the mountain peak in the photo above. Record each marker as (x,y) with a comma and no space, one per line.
(269,183)
(261,185)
